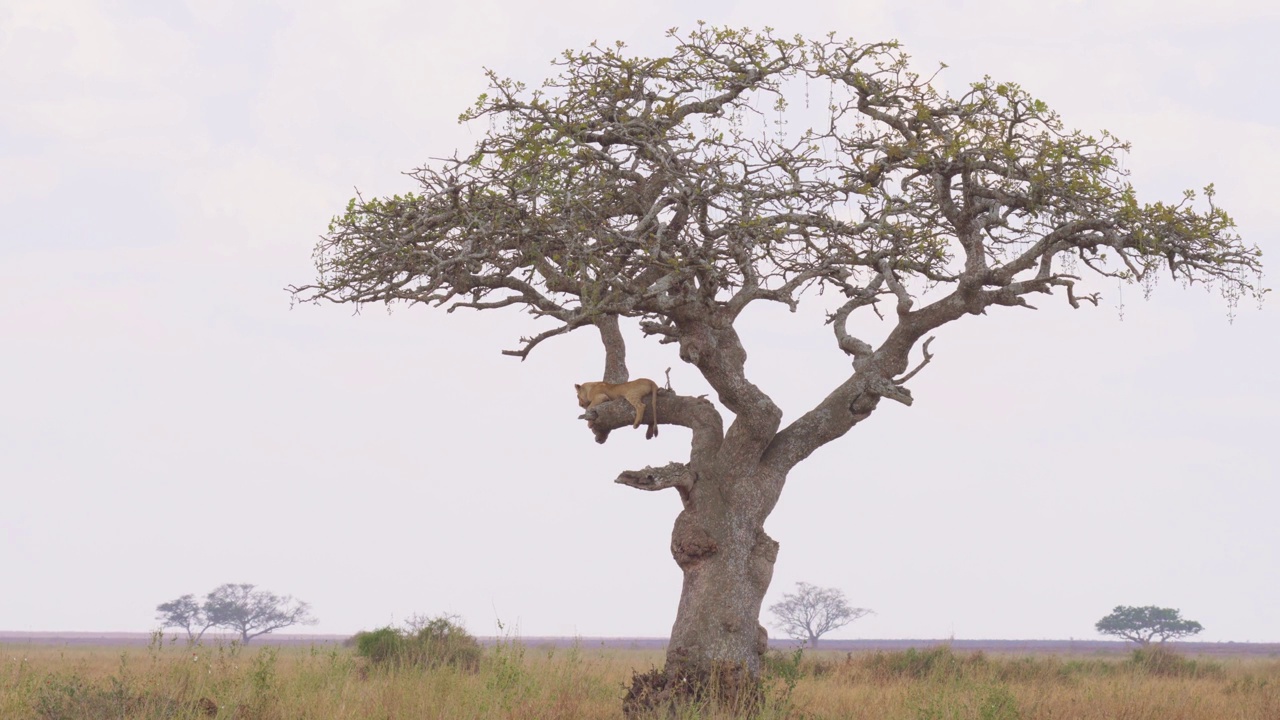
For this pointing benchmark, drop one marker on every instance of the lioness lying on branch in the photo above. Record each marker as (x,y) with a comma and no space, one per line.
(592,394)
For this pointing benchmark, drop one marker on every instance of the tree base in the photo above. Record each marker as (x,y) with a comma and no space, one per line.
(664,694)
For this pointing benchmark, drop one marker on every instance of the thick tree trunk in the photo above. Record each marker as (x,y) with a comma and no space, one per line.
(717,642)
(728,564)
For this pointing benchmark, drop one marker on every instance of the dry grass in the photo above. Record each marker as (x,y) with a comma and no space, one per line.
(72,683)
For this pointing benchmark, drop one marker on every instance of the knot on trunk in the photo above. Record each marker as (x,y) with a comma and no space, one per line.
(690,543)
(763,555)
(766,548)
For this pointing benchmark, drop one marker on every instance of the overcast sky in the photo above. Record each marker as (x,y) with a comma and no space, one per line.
(168,423)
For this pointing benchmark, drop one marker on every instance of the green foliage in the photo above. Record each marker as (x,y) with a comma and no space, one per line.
(784,667)
(433,642)
(1144,624)
(380,646)
(1158,660)
(507,680)
(998,703)
(263,672)
(619,169)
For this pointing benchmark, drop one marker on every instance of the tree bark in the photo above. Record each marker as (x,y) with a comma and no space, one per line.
(727,568)
(720,544)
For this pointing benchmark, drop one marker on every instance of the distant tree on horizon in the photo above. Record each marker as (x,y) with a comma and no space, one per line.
(185,613)
(811,612)
(1143,624)
(238,607)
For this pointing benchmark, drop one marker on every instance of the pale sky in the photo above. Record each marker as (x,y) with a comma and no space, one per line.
(168,423)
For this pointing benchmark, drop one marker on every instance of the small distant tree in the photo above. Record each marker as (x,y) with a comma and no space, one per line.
(185,613)
(1143,624)
(252,612)
(811,612)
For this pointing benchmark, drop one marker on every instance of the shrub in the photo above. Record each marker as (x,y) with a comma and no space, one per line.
(1158,660)
(785,667)
(380,646)
(425,643)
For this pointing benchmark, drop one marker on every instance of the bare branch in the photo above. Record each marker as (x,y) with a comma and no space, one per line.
(927,357)
(862,297)
(905,300)
(531,343)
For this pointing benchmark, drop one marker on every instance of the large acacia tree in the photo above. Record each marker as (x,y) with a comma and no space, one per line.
(678,190)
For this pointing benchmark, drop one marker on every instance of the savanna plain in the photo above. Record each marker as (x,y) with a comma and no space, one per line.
(509,679)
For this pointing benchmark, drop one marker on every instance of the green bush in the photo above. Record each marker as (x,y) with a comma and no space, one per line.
(1159,660)
(425,643)
(380,646)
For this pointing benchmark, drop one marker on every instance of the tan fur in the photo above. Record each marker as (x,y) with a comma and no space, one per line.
(592,394)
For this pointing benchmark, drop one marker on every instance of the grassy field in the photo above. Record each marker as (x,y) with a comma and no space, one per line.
(168,680)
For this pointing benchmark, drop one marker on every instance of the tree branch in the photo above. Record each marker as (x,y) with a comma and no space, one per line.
(927,357)
(696,413)
(674,474)
(615,349)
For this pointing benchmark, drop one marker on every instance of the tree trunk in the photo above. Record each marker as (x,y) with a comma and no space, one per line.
(727,564)
(717,642)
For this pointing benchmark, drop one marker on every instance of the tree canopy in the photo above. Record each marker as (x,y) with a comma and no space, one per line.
(1144,624)
(645,187)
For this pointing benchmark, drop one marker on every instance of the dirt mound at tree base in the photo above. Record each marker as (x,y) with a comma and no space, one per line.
(658,694)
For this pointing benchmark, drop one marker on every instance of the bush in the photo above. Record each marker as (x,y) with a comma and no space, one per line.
(425,643)
(1158,660)
(784,667)
(380,646)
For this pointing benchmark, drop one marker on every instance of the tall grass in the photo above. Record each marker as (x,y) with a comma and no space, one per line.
(512,680)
